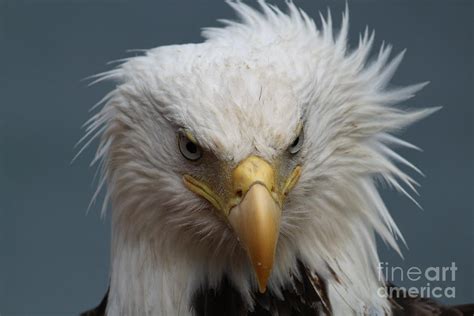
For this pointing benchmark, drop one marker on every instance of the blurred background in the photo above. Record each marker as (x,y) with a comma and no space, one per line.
(54,256)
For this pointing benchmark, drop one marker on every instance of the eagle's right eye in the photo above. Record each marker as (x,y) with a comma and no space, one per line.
(189,148)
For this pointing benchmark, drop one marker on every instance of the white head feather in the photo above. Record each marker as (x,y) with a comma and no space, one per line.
(244,91)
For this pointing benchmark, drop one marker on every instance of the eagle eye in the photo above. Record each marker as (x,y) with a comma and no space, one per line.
(188,148)
(297,143)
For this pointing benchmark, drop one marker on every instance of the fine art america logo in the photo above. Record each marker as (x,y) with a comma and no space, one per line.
(435,282)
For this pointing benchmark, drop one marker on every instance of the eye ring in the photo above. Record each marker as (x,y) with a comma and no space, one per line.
(189,148)
(297,143)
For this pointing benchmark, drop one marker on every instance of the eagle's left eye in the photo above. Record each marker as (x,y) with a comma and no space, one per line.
(188,148)
(297,143)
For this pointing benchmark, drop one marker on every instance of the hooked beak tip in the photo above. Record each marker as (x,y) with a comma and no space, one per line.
(262,279)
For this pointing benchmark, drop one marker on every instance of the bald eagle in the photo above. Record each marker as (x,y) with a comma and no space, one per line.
(242,172)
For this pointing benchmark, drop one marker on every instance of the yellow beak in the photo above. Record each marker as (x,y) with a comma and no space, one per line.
(253,209)
(256,217)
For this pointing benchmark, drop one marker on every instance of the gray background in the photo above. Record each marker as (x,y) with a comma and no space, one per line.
(54,257)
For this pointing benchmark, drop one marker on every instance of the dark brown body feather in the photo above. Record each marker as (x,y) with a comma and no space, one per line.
(419,306)
(307,297)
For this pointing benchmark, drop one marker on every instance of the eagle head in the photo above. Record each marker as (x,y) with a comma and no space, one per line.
(243,155)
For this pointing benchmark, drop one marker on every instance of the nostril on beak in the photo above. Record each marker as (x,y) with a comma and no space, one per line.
(239,193)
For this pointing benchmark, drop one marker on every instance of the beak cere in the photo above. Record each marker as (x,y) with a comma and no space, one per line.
(255,215)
